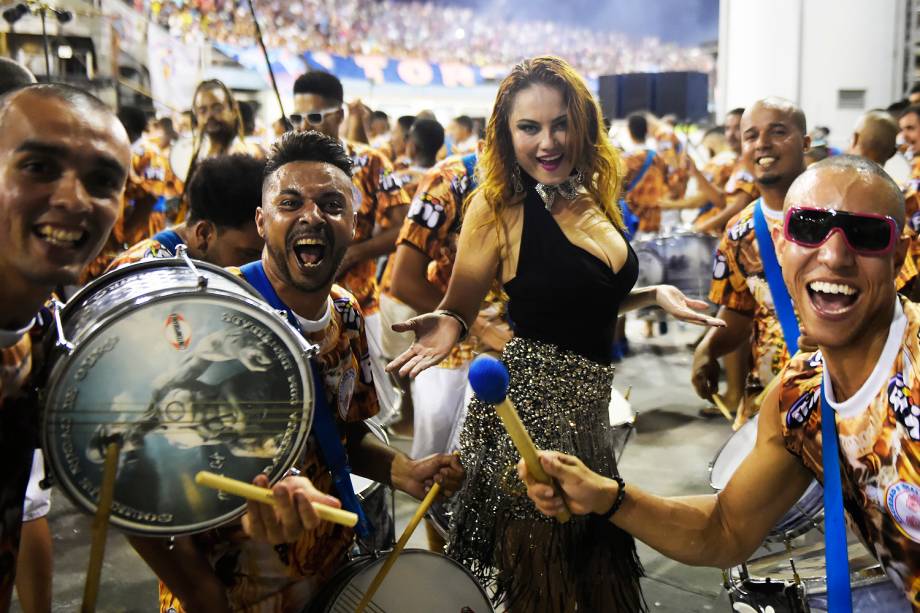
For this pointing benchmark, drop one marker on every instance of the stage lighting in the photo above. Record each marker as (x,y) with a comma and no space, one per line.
(63,16)
(15,13)
(65,52)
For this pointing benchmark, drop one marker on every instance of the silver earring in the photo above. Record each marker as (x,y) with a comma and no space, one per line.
(579,178)
(516,179)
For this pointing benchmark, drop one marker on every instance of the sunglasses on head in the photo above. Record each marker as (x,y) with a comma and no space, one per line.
(864,233)
(315,118)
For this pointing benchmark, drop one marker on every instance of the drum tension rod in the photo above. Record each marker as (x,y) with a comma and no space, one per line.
(57,307)
(182,252)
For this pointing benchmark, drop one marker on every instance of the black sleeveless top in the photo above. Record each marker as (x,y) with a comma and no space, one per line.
(562,294)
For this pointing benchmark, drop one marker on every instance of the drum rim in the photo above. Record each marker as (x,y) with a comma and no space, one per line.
(111,276)
(116,314)
(357,565)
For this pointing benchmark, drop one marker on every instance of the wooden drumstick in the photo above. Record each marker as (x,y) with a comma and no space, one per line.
(265,496)
(100,527)
(723,408)
(400,545)
(489,379)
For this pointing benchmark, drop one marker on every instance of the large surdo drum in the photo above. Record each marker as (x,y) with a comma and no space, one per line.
(183,365)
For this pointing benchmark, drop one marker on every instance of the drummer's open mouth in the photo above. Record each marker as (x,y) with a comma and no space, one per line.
(832,299)
(766,161)
(311,251)
(61,236)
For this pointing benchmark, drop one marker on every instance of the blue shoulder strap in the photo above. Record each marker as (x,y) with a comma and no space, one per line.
(470,162)
(169,239)
(649,158)
(324,427)
(839,598)
(782,303)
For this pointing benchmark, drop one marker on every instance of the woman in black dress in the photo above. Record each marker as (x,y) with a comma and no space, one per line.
(544,223)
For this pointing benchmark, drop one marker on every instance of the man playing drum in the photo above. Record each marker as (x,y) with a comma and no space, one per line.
(64,159)
(280,557)
(221,228)
(841,249)
(774,142)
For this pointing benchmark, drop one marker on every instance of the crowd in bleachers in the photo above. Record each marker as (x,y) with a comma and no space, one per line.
(429,31)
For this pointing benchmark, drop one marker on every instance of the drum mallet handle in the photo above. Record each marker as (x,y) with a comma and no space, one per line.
(723,408)
(100,527)
(489,379)
(265,496)
(400,545)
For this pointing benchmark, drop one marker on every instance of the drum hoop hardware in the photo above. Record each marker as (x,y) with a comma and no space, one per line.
(182,252)
(57,307)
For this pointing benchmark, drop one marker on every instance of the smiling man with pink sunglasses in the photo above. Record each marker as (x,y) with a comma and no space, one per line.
(840,250)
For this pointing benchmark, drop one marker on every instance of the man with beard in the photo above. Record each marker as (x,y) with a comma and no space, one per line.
(221,228)
(774,142)
(318,101)
(307,219)
(840,251)
(64,159)
(909,124)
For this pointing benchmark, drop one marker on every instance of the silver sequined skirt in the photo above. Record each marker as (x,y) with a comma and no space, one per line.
(533,562)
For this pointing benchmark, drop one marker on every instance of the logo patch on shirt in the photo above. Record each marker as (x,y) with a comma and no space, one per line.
(741,229)
(346,390)
(903,502)
(801,409)
(719,267)
(177,331)
(906,412)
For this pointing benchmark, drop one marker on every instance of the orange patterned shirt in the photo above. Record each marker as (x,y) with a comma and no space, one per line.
(879,434)
(152,179)
(433,226)
(738,283)
(144,250)
(718,170)
(380,190)
(669,148)
(262,578)
(643,198)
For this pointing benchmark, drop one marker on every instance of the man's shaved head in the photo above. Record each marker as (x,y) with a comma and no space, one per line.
(796,114)
(888,198)
(75,96)
(13,75)
(875,136)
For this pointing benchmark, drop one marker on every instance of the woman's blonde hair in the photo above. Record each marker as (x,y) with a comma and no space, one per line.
(587,141)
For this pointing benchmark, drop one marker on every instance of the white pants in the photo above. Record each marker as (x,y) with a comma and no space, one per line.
(387,394)
(38,500)
(439,397)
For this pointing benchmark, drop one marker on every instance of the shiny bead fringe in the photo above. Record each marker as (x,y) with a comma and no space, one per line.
(533,562)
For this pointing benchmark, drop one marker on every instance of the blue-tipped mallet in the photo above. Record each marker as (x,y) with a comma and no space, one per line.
(489,379)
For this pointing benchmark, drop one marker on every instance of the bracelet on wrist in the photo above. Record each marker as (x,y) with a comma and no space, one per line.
(618,501)
(464,328)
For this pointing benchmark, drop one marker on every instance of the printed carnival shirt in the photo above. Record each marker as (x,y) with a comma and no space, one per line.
(380,190)
(644,198)
(718,171)
(739,284)
(879,434)
(433,226)
(262,578)
(18,439)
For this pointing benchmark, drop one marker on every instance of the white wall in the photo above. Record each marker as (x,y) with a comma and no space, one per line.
(807,50)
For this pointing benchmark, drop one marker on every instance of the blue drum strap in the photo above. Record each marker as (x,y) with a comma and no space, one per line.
(782,303)
(839,598)
(324,427)
(169,239)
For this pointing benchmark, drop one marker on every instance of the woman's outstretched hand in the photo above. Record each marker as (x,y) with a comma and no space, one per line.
(674,302)
(435,336)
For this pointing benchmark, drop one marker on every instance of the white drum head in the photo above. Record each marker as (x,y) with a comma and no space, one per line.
(732,454)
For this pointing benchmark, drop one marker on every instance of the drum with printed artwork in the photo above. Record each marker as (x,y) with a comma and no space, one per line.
(682,259)
(183,365)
